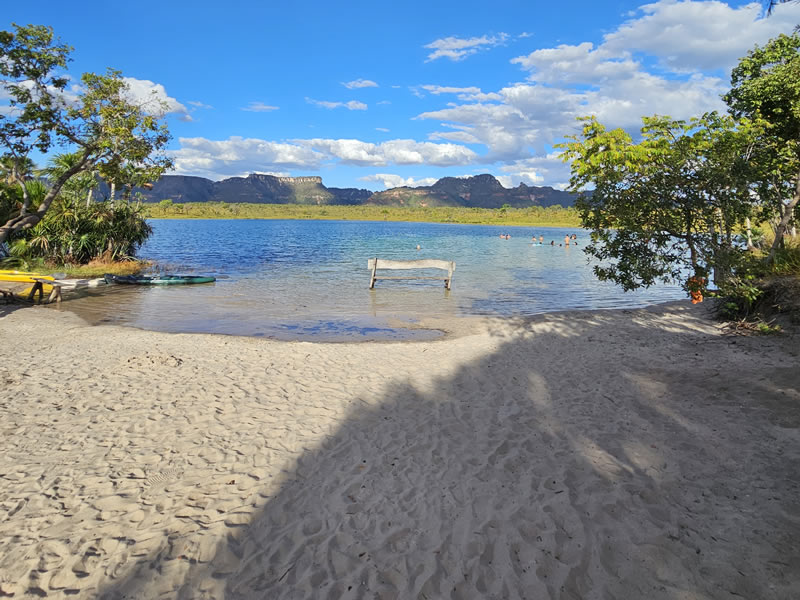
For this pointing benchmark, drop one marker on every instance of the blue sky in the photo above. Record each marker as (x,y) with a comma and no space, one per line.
(378,94)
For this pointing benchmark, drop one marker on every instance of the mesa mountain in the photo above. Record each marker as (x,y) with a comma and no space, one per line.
(480,191)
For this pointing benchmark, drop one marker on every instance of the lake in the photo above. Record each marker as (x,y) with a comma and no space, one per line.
(309,279)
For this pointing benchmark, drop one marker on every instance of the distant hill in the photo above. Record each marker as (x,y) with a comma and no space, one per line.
(255,189)
(480,191)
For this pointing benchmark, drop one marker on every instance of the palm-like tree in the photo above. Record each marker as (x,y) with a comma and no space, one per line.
(15,169)
(77,185)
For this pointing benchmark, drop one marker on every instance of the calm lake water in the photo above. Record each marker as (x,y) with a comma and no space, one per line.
(309,279)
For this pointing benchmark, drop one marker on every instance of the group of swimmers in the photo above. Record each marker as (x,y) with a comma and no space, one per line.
(568,240)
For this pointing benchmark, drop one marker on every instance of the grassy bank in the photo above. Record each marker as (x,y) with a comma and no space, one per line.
(533,216)
(95,268)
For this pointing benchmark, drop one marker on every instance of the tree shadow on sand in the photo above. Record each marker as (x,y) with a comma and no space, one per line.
(534,471)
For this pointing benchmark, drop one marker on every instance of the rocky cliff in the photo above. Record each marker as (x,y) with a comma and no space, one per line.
(483,191)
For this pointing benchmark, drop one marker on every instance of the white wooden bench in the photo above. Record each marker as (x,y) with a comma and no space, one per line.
(373,264)
(38,287)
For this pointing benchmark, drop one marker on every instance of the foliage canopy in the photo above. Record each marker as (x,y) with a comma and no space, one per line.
(98,121)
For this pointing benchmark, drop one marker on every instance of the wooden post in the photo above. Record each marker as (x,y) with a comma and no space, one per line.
(372,277)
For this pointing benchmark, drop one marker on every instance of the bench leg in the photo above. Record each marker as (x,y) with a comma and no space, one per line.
(372,277)
(37,287)
(55,294)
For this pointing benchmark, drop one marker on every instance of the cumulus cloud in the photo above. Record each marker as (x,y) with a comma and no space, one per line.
(359,83)
(691,41)
(351,105)
(581,63)
(399,152)
(390,180)
(443,89)
(546,169)
(153,98)
(260,107)
(612,78)
(457,49)
(692,36)
(216,159)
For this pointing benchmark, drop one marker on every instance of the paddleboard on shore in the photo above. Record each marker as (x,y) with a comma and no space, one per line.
(157,280)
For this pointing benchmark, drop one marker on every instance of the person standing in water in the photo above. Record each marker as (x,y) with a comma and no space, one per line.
(566,240)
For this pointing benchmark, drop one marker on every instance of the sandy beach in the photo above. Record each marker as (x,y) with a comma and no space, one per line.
(609,454)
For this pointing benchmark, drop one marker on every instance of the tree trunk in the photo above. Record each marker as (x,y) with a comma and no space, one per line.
(89,197)
(113,193)
(749,231)
(788,213)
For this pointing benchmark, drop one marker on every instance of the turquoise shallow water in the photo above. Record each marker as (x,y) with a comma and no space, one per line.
(309,279)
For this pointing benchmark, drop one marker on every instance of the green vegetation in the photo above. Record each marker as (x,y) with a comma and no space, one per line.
(106,135)
(678,200)
(535,216)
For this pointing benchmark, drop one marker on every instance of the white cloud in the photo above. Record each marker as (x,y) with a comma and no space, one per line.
(580,64)
(392,181)
(153,98)
(459,48)
(382,129)
(470,93)
(198,104)
(239,156)
(692,36)
(690,40)
(260,107)
(538,170)
(359,83)
(442,89)
(217,159)
(351,105)
(610,78)
(399,152)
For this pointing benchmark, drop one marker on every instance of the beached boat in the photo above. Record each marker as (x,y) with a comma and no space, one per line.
(157,280)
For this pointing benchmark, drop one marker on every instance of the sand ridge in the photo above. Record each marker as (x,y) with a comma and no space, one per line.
(607,454)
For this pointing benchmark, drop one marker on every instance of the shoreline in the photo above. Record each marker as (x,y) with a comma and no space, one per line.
(450,327)
(613,453)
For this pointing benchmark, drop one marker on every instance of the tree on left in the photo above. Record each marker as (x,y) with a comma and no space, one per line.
(98,120)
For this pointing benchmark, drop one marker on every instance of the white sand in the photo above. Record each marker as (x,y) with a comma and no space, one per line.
(618,454)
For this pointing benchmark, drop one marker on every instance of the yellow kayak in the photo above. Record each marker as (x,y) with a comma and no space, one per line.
(26,277)
(23,276)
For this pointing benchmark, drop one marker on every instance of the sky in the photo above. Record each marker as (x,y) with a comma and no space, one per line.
(378,94)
